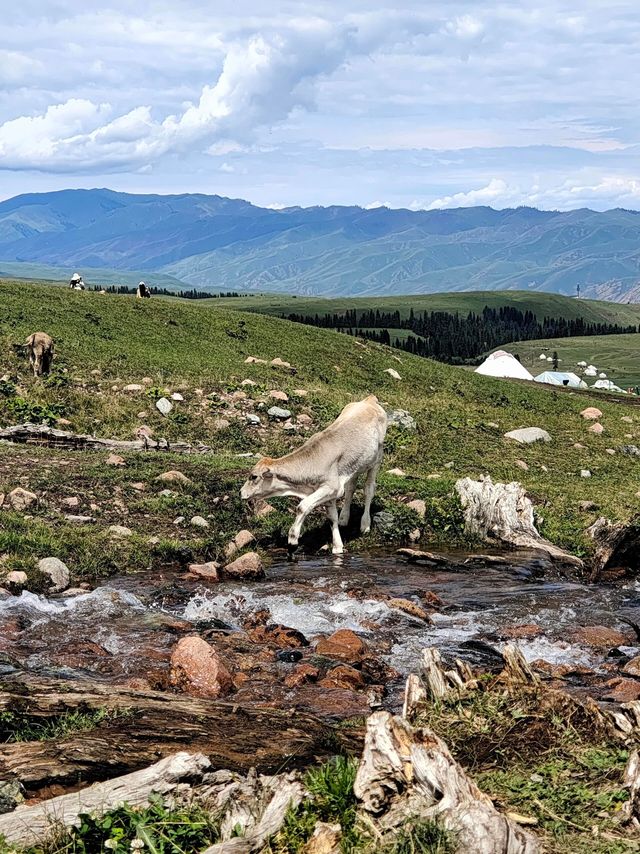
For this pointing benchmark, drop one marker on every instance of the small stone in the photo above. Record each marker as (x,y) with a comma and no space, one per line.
(16,578)
(528,435)
(178,520)
(384,521)
(142,415)
(133,388)
(419,506)
(344,645)
(207,571)
(63,422)
(115,460)
(278,395)
(21,499)
(401,418)
(627,419)
(599,636)
(578,446)
(278,414)
(301,675)
(397,472)
(248,383)
(279,363)
(596,428)
(610,451)
(198,670)
(393,373)
(414,535)
(343,676)
(247,566)
(326,839)
(57,571)
(147,380)
(120,531)
(220,424)
(262,508)
(199,522)
(95,372)
(304,419)
(630,450)
(164,406)
(587,506)
(241,540)
(591,413)
(71,501)
(77,519)
(410,608)
(177,396)
(585,473)
(633,666)
(144,432)
(173,476)
(250,418)
(139,486)
(522,465)
(253,360)
(11,794)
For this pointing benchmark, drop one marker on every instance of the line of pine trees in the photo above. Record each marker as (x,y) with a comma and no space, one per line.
(452,337)
(192,293)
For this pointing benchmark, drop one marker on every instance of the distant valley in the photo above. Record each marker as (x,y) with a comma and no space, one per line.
(217,243)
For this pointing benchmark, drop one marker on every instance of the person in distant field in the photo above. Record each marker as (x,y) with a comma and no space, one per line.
(143,291)
(76,282)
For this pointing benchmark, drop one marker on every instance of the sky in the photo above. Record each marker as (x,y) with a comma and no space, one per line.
(421,103)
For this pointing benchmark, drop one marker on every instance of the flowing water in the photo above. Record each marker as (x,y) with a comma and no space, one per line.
(125,629)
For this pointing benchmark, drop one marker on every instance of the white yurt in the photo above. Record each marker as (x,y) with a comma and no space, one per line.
(602,376)
(542,357)
(582,364)
(591,372)
(503,364)
(564,378)
(607,385)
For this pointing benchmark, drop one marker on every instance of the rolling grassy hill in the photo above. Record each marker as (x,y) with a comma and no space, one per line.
(229,244)
(105,342)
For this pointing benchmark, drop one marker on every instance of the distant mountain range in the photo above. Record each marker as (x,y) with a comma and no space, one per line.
(230,244)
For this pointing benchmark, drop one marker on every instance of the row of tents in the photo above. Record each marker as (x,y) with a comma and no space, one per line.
(503,364)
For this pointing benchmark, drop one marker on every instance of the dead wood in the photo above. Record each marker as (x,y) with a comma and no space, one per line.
(41,434)
(408,773)
(441,683)
(155,725)
(29,825)
(617,548)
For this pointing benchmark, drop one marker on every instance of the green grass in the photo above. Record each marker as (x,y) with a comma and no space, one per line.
(201,351)
(16,727)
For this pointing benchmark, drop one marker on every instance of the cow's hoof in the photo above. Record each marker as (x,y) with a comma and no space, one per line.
(365,530)
(337,551)
(291,551)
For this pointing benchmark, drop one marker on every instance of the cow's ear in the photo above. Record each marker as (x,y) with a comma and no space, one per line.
(267,473)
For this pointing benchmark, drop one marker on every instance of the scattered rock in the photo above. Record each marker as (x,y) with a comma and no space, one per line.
(278,414)
(419,506)
(57,571)
(173,477)
(622,690)
(139,486)
(302,674)
(120,531)
(393,373)
(199,522)
(275,634)
(21,499)
(208,571)
(279,363)
(253,360)
(344,645)
(343,676)
(397,472)
(384,521)
(601,637)
(197,669)
(633,667)
(241,540)
(527,435)
(250,418)
(144,432)
(71,501)
(578,446)
(133,388)
(610,451)
(248,383)
(402,418)
(262,508)
(522,465)
(115,460)
(627,419)
(177,396)
(596,428)
(522,631)
(164,406)
(16,578)
(178,520)
(585,473)
(414,536)
(587,506)
(326,839)
(591,413)
(11,794)
(631,450)
(288,656)
(279,395)
(247,566)
(304,419)
(76,519)
(410,608)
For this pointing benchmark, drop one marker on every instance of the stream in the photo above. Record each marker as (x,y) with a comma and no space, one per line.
(124,630)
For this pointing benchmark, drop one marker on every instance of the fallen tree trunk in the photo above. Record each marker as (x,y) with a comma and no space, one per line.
(153,725)
(617,548)
(42,434)
(30,825)
(502,511)
(407,774)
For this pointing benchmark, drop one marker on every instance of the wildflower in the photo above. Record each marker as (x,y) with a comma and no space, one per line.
(136,845)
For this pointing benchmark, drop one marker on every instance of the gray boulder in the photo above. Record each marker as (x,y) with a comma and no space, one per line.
(384,521)
(402,418)
(164,406)
(527,435)
(57,571)
(278,414)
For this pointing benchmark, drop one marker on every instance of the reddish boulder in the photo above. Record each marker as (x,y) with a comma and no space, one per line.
(248,566)
(209,571)
(410,608)
(344,645)
(343,676)
(275,634)
(196,669)
(302,674)
(601,637)
(523,630)
(623,690)
(633,667)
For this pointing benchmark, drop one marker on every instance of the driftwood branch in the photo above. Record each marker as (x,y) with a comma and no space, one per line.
(41,434)
(29,825)
(406,773)
(502,511)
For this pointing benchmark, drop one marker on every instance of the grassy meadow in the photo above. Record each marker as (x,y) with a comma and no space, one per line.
(104,343)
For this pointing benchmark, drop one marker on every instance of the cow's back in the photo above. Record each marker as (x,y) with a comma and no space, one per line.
(357,434)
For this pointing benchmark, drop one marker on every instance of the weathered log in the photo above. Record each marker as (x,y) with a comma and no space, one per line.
(502,511)
(407,773)
(439,682)
(617,547)
(155,725)
(631,809)
(30,825)
(420,556)
(41,434)
(517,669)
(415,695)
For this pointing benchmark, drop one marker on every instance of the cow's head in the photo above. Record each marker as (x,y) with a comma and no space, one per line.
(264,482)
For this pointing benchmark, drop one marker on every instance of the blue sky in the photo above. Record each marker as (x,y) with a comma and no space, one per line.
(410,104)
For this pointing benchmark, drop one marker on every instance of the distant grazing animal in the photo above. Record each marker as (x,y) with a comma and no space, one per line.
(40,350)
(326,468)
(143,291)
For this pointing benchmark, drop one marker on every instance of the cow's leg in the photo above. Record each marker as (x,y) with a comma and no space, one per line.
(322,495)
(349,489)
(332,513)
(369,492)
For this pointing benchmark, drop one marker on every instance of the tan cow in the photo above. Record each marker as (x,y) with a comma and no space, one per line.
(326,469)
(40,350)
